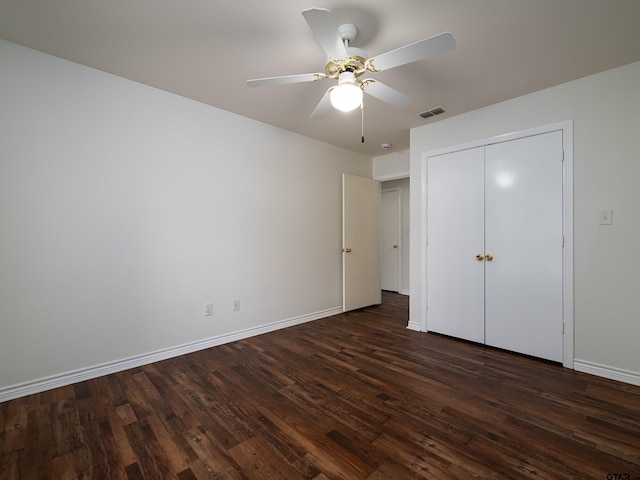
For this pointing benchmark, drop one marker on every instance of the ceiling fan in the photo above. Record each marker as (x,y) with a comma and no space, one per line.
(347,64)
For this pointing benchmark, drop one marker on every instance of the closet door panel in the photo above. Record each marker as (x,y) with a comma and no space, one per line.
(455,279)
(523,232)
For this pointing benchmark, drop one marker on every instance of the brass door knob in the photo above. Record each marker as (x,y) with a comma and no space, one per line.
(489,257)
(479,257)
(346,250)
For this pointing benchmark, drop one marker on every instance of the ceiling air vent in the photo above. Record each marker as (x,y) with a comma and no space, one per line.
(432,113)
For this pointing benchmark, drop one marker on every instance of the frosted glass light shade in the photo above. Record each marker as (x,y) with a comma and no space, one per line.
(347,95)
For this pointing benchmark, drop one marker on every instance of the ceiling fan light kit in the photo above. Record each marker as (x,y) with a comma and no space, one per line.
(347,96)
(346,64)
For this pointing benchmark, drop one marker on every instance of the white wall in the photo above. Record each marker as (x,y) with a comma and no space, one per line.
(124,209)
(605,109)
(391,166)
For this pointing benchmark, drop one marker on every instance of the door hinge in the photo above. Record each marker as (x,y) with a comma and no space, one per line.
(562,159)
(563,241)
(562,327)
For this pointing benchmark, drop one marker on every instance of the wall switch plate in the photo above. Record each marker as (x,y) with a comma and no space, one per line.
(236,305)
(605,216)
(208,309)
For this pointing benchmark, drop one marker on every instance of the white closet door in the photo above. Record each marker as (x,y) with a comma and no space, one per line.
(523,232)
(455,279)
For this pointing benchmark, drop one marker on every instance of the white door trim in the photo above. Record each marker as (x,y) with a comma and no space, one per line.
(567,224)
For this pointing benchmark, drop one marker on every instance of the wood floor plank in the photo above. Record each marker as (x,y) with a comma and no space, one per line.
(322,452)
(63,467)
(115,428)
(93,456)
(214,457)
(431,452)
(133,472)
(14,418)
(353,396)
(187,475)
(150,459)
(259,461)
(66,429)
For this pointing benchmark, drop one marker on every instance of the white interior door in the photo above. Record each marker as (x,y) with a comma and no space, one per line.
(524,236)
(455,235)
(361,242)
(390,241)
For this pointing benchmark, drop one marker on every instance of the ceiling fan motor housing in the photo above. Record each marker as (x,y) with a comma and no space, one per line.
(355,61)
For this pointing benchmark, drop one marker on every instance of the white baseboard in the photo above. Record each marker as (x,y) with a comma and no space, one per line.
(606,371)
(414,326)
(405,292)
(68,378)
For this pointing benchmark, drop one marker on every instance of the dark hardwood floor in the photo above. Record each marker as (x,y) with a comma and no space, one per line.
(354,396)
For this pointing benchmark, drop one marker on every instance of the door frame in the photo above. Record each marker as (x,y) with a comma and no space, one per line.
(399,233)
(566,127)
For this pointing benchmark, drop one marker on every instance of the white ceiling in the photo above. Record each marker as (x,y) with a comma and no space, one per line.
(207,49)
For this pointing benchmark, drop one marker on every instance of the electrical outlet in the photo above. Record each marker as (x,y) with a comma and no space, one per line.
(208,309)
(236,305)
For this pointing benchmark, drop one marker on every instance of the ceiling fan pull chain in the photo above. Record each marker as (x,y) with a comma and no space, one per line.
(362,119)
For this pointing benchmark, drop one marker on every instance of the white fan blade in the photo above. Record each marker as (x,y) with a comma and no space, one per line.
(324,28)
(323,107)
(287,79)
(388,95)
(441,43)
